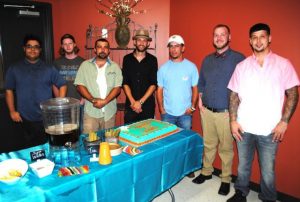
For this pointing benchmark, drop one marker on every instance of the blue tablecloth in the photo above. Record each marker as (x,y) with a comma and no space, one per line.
(129,178)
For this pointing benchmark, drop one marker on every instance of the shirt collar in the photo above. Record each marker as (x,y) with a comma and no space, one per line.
(222,55)
(93,60)
(266,58)
(38,62)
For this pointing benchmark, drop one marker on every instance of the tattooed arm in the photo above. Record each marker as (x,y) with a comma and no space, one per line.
(289,109)
(236,128)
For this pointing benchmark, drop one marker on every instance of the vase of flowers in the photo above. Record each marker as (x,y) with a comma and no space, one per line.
(120,10)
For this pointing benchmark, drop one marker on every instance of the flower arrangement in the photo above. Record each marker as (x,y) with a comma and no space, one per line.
(119,8)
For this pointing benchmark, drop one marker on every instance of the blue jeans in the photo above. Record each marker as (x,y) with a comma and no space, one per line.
(183,121)
(266,150)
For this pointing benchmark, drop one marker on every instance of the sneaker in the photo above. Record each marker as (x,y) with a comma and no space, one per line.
(237,197)
(201,178)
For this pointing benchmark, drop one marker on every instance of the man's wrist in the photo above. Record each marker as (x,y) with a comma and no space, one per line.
(92,100)
(192,109)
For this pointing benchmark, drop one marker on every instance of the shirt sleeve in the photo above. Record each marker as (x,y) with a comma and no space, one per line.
(57,79)
(153,76)
(201,82)
(234,81)
(291,77)
(119,77)
(195,76)
(125,71)
(160,80)
(80,79)
(10,80)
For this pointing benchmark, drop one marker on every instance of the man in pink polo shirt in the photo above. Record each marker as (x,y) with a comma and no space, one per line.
(258,88)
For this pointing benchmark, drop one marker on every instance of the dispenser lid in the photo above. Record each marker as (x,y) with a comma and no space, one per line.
(59,103)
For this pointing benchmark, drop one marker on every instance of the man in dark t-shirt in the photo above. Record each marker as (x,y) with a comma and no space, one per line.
(139,79)
(68,64)
(29,82)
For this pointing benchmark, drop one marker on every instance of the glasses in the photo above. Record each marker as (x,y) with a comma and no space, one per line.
(36,47)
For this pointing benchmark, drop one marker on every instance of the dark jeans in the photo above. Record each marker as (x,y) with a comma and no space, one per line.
(266,150)
(183,121)
(131,116)
(34,133)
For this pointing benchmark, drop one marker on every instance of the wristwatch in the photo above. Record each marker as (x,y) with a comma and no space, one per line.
(93,100)
(192,109)
(141,102)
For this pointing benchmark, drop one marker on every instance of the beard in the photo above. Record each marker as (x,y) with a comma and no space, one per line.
(69,52)
(102,55)
(221,47)
(32,59)
(141,48)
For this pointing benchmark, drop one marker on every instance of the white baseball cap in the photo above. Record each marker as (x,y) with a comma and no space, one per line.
(176,38)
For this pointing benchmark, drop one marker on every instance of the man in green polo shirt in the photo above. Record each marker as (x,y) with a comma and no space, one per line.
(99,82)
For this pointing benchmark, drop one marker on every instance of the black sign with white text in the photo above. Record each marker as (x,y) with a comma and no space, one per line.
(39,154)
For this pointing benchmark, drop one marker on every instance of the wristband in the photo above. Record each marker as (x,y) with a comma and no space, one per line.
(192,109)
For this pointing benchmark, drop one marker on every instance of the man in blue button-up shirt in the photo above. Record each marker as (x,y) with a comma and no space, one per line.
(215,73)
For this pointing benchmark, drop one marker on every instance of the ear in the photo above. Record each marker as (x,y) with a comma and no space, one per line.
(183,48)
(270,39)
(229,37)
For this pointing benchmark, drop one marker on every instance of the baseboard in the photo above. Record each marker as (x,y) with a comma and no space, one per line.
(255,187)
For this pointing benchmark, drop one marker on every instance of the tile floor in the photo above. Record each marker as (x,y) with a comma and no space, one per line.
(187,191)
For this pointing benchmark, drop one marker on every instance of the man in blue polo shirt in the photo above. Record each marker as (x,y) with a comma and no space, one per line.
(215,73)
(32,81)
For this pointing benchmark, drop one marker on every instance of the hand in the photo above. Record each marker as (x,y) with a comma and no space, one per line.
(278,131)
(188,111)
(162,111)
(15,116)
(136,106)
(200,105)
(99,103)
(236,130)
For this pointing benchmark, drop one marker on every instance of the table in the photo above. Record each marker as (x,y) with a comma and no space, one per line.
(129,178)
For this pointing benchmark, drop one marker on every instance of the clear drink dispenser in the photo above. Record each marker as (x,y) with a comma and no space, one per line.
(61,122)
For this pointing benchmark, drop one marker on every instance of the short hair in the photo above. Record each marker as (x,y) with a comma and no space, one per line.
(30,37)
(102,40)
(67,36)
(222,25)
(258,27)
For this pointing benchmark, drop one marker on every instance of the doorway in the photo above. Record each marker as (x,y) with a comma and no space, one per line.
(17,19)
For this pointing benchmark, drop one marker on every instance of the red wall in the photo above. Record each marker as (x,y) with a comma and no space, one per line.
(74,16)
(195,19)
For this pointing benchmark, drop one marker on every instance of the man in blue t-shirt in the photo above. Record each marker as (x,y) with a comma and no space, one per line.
(177,86)
(177,90)
(32,81)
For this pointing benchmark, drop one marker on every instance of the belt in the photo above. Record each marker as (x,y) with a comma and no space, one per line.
(216,110)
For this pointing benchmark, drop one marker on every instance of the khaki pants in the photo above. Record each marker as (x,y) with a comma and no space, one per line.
(91,124)
(216,133)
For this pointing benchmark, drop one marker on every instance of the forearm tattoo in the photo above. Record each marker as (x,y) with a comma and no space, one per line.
(290,104)
(234,102)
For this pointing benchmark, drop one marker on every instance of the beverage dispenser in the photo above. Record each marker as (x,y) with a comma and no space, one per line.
(61,122)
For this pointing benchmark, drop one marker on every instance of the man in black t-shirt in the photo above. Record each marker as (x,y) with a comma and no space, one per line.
(139,79)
